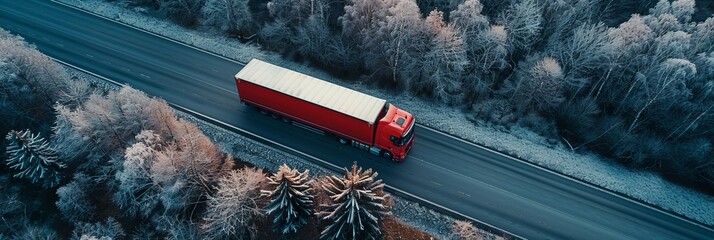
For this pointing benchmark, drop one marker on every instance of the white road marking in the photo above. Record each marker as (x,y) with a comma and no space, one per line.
(144,76)
(59,44)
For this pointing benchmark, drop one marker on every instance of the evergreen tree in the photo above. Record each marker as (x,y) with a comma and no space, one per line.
(33,158)
(358,204)
(291,199)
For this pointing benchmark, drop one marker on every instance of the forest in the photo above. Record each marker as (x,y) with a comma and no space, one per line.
(82,160)
(630,80)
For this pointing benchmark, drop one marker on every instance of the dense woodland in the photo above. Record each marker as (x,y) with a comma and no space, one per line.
(80,161)
(631,80)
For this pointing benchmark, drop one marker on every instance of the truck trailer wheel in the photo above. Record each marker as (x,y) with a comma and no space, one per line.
(262,111)
(388,155)
(343,141)
(287,120)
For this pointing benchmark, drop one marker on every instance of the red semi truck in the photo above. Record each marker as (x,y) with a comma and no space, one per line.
(355,118)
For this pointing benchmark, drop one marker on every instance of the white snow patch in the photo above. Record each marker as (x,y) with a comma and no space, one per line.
(523,143)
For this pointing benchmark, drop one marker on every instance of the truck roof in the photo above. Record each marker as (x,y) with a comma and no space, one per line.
(314,90)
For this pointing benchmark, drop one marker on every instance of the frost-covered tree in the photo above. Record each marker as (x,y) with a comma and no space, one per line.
(185,12)
(538,84)
(227,15)
(70,146)
(232,210)
(661,87)
(137,193)
(74,202)
(523,21)
(361,16)
(465,230)
(682,10)
(109,228)
(313,37)
(585,55)
(177,229)
(703,36)
(440,70)
(33,231)
(357,206)
(276,35)
(33,158)
(296,12)
(395,45)
(291,199)
(30,83)
(187,168)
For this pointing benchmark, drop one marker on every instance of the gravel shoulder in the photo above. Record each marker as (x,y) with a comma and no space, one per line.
(641,185)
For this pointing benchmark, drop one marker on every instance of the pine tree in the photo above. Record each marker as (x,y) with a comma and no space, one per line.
(291,199)
(358,204)
(32,156)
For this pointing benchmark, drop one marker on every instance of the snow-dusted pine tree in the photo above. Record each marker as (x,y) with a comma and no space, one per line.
(33,158)
(358,205)
(290,199)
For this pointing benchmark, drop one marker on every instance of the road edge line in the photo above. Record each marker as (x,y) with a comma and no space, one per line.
(574,179)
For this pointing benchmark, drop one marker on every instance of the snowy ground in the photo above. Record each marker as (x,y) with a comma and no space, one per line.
(642,185)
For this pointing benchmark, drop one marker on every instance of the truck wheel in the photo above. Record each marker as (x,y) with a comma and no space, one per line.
(388,155)
(262,111)
(343,141)
(275,116)
(287,120)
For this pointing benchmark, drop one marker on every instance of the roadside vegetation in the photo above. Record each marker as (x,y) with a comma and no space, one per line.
(630,80)
(80,161)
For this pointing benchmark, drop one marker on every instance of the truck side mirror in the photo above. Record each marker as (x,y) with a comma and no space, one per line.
(392,138)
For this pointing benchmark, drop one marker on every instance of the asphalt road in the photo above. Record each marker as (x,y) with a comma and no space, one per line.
(504,192)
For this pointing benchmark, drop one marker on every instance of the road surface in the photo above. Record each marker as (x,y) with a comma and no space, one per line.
(481,184)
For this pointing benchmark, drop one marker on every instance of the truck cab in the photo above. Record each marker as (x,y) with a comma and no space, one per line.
(395,133)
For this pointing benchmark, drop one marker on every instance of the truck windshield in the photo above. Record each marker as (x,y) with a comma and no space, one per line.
(407,135)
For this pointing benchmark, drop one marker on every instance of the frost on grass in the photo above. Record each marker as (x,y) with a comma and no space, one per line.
(516,141)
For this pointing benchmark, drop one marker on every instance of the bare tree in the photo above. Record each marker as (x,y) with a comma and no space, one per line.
(276,35)
(703,36)
(184,12)
(662,85)
(30,83)
(232,210)
(358,205)
(313,37)
(177,229)
(74,202)
(538,83)
(523,23)
(441,68)
(464,230)
(227,15)
(137,193)
(291,199)
(109,228)
(395,46)
(33,158)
